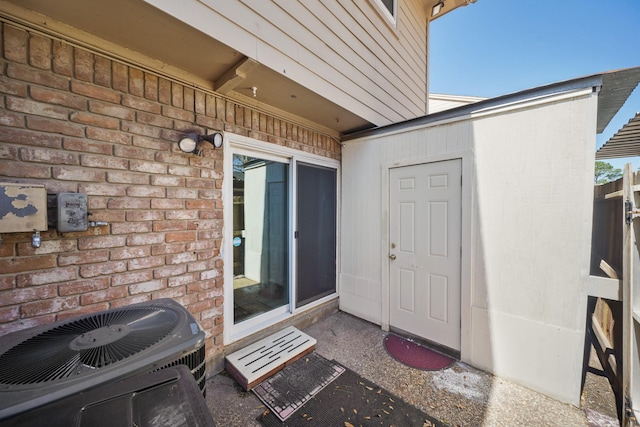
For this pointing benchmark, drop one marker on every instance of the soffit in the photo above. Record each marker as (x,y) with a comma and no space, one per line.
(157,41)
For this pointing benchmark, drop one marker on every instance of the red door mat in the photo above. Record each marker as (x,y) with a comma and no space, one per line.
(415,355)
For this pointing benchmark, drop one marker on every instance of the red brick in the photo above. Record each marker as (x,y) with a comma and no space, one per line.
(133,152)
(199,183)
(9,118)
(18,265)
(178,113)
(150,167)
(15,44)
(169,293)
(167,181)
(93,91)
(131,277)
(19,170)
(77,174)
(83,65)
(7,282)
(200,204)
(45,155)
(141,104)
(101,190)
(102,74)
(184,279)
(164,91)
(170,226)
(84,257)
(127,178)
(168,271)
(189,99)
(62,58)
(37,108)
(181,214)
(19,296)
(168,249)
(182,193)
(154,120)
(103,295)
(120,77)
(13,87)
(141,129)
(9,314)
(8,152)
(114,136)
(135,216)
(144,263)
(168,157)
(104,162)
(136,82)
(111,110)
(49,306)
(40,52)
(130,252)
(100,242)
(47,246)
(51,96)
(145,239)
(83,286)
(62,127)
(86,146)
(182,171)
(122,203)
(209,122)
(104,269)
(146,287)
(152,143)
(181,258)
(131,227)
(177,97)
(144,191)
(37,278)
(95,120)
(150,87)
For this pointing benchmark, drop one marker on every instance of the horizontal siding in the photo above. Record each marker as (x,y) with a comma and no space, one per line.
(344,50)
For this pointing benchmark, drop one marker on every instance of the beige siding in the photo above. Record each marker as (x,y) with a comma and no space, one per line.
(345,50)
(526,215)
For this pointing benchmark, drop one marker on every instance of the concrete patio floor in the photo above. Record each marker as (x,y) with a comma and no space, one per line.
(459,396)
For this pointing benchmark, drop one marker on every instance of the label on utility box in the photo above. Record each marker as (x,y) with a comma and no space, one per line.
(23,207)
(72,212)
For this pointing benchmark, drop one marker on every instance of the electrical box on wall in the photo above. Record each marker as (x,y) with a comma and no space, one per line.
(23,207)
(72,212)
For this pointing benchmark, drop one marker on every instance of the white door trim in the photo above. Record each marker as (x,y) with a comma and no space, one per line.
(467,242)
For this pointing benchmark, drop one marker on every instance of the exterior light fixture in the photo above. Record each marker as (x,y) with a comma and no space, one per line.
(189,143)
(437,8)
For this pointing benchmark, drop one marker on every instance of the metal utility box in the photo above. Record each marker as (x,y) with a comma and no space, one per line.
(22,208)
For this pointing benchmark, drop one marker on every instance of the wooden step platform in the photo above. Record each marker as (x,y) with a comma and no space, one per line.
(258,361)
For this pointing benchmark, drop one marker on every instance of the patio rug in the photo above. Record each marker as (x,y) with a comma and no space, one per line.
(287,390)
(415,355)
(353,401)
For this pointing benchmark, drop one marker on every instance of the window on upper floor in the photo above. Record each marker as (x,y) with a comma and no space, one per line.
(389,8)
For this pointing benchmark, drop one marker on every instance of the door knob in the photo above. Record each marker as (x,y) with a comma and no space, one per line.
(392,256)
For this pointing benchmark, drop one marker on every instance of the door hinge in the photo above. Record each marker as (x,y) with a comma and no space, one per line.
(296,234)
(630,213)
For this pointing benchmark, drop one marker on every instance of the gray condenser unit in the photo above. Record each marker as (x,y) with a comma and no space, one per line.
(41,365)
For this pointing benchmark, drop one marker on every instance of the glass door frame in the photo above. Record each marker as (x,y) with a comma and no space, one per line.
(239,144)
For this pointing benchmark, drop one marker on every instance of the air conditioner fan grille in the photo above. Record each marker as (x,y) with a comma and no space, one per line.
(91,342)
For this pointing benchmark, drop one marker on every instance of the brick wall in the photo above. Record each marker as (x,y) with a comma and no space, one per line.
(76,121)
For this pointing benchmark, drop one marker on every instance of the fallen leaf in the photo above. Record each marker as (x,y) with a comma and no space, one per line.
(390,407)
(369,388)
(341,409)
(385,412)
(348,424)
(309,419)
(355,411)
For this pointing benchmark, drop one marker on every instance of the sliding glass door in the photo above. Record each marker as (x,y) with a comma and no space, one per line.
(282,247)
(316,233)
(260,236)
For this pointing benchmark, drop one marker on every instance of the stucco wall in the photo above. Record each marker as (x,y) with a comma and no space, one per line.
(526,226)
(76,121)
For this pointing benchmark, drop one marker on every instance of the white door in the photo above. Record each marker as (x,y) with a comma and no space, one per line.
(424,251)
